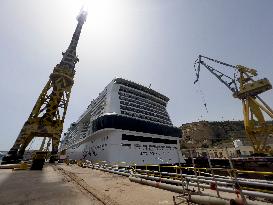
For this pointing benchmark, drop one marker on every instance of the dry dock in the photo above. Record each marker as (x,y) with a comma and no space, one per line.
(62,184)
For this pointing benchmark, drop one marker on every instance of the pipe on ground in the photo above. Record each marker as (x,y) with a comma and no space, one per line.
(179,182)
(208,180)
(229,182)
(207,200)
(114,172)
(169,187)
(180,189)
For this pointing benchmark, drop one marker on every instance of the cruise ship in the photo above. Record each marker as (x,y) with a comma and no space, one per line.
(127,123)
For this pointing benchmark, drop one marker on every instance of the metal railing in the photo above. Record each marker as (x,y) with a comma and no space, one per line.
(187,177)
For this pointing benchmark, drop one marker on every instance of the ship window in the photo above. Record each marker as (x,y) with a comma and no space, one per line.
(132,124)
(126,145)
(147,139)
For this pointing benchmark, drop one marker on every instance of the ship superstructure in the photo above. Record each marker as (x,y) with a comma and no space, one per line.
(128,123)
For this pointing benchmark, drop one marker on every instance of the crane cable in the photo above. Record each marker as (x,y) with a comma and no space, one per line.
(198,63)
(197,70)
(202,96)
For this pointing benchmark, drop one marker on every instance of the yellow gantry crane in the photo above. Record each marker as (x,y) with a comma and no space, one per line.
(245,88)
(47,117)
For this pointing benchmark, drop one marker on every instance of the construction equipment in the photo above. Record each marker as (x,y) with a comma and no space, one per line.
(246,89)
(47,117)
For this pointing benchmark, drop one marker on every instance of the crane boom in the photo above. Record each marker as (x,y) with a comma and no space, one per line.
(246,89)
(229,82)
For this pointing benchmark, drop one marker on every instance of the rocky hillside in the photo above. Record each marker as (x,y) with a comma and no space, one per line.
(217,134)
(212,134)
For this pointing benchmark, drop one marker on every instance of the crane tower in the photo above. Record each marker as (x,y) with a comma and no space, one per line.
(48,114)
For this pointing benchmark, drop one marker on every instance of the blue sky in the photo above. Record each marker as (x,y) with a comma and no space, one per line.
(146,41)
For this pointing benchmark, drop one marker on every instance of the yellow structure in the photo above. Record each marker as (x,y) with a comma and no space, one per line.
(247,90)
(47,117)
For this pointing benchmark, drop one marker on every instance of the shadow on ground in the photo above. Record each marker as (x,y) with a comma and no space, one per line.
(39,187)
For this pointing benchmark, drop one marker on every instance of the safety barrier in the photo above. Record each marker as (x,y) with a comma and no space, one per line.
(180,185)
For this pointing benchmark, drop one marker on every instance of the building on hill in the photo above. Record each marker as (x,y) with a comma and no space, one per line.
(217,134)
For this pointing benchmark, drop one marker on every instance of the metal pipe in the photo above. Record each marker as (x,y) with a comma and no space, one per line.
(212,200)
(225,189)
(240,178)
(202,179)
(178,182)
(114,172)
(207,200)
(156,182)
(266,184)
(241,182)
(217,176)
(159,185)
(169,187)
(228,181)
(179,189)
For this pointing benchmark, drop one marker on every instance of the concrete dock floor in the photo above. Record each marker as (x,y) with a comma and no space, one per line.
(41,187)
(116,189)
(69,185)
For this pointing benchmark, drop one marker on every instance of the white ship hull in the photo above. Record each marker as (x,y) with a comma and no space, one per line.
(107,145)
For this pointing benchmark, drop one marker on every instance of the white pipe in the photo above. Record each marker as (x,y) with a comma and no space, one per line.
(226,189)
(180,190)
(115,172)
(225,181)
(208,200)
(179,182)
(266,184)
(169,187)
